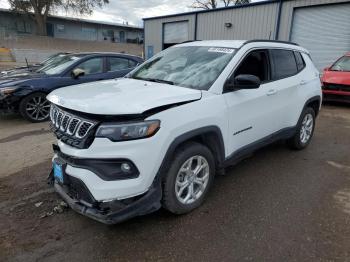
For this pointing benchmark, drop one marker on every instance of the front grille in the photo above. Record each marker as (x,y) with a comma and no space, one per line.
(70,124)
(65,122)
(73,126)
(336,87)
(72,129)
(84,127)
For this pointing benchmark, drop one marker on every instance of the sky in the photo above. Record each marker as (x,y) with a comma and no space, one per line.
(132,11)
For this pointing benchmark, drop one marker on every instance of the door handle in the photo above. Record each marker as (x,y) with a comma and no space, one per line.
(302,82)
(271,92)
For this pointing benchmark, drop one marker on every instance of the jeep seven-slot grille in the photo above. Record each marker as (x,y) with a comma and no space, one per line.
(69,124)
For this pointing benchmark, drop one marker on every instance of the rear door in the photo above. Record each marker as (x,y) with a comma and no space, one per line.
(286,79)
(94,69)
(119,66)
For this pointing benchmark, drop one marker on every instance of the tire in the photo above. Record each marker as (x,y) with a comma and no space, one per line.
(174,200)
(35,108)
(304,131)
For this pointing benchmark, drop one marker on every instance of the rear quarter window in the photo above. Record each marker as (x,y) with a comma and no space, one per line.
(283,63)
(300,61)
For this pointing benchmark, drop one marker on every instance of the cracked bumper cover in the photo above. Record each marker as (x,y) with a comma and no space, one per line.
(116,211)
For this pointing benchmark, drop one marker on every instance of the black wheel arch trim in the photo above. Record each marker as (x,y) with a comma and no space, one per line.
(210,132)
(310,100)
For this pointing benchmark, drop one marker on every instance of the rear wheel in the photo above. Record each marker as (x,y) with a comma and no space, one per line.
(35,108)
(305,130)
(189,178)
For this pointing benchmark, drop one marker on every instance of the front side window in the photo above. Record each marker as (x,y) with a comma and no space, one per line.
(255,63)
(343,64)
(283,63)
(195,67)
(92,66)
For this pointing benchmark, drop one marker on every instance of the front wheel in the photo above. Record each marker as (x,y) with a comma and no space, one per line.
(189,178)
(305,130)
(35,108)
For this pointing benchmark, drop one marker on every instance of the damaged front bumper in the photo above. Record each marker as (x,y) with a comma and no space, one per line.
(77,196)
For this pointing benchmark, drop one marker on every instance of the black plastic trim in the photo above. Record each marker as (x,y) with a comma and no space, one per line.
(270,41)
(105,168)
(313,99)
(203,131)
(247,150)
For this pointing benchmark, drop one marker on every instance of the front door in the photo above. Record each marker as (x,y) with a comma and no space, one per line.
(252,114)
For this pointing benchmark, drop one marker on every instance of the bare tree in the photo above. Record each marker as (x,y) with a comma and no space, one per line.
(212,4)
(40,9)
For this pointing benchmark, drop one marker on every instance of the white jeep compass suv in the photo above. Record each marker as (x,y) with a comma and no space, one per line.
(156,138)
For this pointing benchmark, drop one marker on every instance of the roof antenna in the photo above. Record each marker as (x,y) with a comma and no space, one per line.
(27,63)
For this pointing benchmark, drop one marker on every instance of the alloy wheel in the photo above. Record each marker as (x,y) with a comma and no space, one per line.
(38,108)
(192,179)
(306,128)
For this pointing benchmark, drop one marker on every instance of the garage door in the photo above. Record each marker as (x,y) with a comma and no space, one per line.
(176,32)
(324,31)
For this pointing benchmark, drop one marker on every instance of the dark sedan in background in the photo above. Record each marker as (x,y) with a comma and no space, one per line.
(26,93)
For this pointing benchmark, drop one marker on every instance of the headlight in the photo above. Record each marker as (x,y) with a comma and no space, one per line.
(123,132)
(7,90)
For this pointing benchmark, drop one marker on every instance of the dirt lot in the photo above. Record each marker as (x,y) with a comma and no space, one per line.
(279,205)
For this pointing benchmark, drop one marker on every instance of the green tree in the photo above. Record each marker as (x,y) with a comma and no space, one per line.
(40,9)
(212,4)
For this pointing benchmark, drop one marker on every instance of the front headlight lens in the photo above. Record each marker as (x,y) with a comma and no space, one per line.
(123,132)
(7,90)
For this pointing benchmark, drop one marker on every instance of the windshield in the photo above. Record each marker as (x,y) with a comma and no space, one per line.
(51,57)
(51,62)
(59,65)
(343,64)
(188,66)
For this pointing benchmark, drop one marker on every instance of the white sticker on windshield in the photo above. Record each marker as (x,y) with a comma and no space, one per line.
(221,50)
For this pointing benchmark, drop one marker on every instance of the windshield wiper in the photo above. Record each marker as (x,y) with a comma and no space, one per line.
(154,80)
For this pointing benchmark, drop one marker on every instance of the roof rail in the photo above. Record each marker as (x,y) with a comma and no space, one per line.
(270,41)
(189,41)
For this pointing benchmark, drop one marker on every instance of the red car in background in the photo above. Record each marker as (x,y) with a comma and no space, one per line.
(336,80)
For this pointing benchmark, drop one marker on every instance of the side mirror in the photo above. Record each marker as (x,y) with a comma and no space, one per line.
(77,72)
(326,69)
(243,82)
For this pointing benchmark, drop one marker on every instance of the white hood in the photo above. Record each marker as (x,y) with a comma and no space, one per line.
(120,96)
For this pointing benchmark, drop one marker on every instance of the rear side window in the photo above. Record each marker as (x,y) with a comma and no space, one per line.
(300,61)
(119,63)
(132,63)
(92,66)
(283,63)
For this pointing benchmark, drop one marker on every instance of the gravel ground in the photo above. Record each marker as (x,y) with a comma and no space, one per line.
(278,205)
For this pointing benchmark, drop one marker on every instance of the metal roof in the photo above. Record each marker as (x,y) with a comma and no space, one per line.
(80,20)
(215,10)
